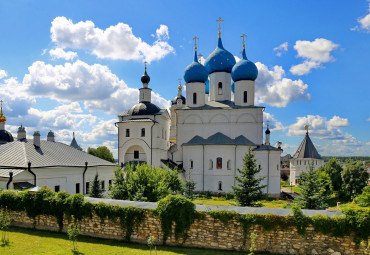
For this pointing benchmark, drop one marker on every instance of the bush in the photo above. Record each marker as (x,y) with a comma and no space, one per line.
(144,183)
(176,209)
(364,198)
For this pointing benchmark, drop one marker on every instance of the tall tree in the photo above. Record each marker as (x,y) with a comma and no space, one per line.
(334,170)
(249,189)
(354,177)
(96,189)
(102,152)
(313,193)
(189,186)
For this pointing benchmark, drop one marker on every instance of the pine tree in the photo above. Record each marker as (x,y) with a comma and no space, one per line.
(313,193)
(96,189)
(189,187)
(249,188)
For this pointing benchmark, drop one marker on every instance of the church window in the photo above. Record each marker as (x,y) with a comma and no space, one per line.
(191,164)
(211,164)
(109,184)
(127,132)
(194,98)
(316,162)
(57,188)
(229,165)
(219,163)
(220,88)
(136,154)
(87,187)
(277,167)
(103,185)
(143,132)
(259,166)
(77,188)
(245,96)
(220,185)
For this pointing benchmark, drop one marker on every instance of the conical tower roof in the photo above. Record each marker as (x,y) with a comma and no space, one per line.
(307,149)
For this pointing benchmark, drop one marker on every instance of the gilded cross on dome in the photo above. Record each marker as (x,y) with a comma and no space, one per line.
(219,26)
(306,127)
(244,35)
(180,87)
(145,64)
(195,41)
(2,117)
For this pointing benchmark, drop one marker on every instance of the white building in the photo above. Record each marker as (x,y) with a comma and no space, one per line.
(25,163)
(210,133)
(305,156)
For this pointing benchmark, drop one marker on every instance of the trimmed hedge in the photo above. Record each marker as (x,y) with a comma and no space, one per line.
(181,211)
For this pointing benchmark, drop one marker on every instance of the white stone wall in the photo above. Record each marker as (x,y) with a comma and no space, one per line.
(298,166)
(145,95)
(195,87)
(214,92)
(240,87)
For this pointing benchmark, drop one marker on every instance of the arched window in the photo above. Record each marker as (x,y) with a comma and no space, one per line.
(229,165)
(259,166)
(211,164)
(194,98)
(220,185)
(220,88)
(245,96)
(143,132)
(191,164)
(277,167)
(219,163)
(127,132)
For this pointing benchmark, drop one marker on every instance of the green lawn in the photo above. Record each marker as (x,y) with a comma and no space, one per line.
(27,241)
(231,202)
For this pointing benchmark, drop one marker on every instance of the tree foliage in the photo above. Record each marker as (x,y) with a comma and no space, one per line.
(313,185)
(144,183)
(189,187)
(354,177)
(334,170)
(364,198)
(102,152)
(249,189)
(96,189)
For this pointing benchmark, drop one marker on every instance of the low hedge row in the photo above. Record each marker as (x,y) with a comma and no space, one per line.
(180,210)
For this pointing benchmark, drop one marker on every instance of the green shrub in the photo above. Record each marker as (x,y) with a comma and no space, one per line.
(364,199)
(223,215)
(178,209)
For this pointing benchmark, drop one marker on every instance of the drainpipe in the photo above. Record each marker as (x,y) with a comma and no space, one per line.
(10,180)
(29,170)
(268,170)
(83,179)
(203,168)
(235,165)
(151,142)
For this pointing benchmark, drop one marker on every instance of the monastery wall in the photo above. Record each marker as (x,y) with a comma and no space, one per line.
(207,233)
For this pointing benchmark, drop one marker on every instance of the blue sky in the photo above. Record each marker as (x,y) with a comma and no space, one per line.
(73,66)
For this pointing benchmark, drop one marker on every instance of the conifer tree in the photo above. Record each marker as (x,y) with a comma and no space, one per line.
(249,188)
(96,189)
(313,193)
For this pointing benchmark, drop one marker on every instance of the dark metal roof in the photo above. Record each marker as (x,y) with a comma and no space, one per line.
(219,139)
(144,108)
(5,137)
(23,185)
(174,101)
(307,149)
(74,144)
(264,147)
(173,165)
(17,154)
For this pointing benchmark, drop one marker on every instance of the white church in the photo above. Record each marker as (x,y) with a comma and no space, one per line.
(208,132)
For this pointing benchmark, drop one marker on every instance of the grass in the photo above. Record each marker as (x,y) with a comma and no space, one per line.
(30,241)
(222,201)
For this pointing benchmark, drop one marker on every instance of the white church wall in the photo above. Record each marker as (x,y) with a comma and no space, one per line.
(224,93)
(300,165)
(199,88)
(240,87)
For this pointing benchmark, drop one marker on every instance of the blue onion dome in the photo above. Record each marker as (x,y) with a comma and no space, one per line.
(195,72)
(145,79)
(244,70)
(220,60)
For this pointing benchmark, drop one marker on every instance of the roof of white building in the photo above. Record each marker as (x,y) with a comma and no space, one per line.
(307,149)
(17,154)
(219,139)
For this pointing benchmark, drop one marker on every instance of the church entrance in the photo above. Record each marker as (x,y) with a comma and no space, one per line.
(135,153)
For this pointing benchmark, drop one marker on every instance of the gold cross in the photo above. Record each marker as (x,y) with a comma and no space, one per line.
(306,127)
(244,35)
(219,26)
(145,64)
(195,40)
(200,57)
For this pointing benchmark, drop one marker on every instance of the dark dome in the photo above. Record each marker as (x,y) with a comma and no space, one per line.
(144,108)
(145,78)
(267,132)
(174,101)
(5,137)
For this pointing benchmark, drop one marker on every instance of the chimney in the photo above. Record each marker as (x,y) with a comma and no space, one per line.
(36,139)
(21,133)
(51,137)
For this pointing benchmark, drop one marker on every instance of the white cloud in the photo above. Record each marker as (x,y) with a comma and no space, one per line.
(3,74)
(115,42)
(364,22)
(315,53)
(273,89)
(368,119)
(60,53)
(282,48)
(274,124)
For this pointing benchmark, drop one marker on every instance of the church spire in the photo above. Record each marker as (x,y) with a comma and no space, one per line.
(145,92)
(2,117)
(179,93)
